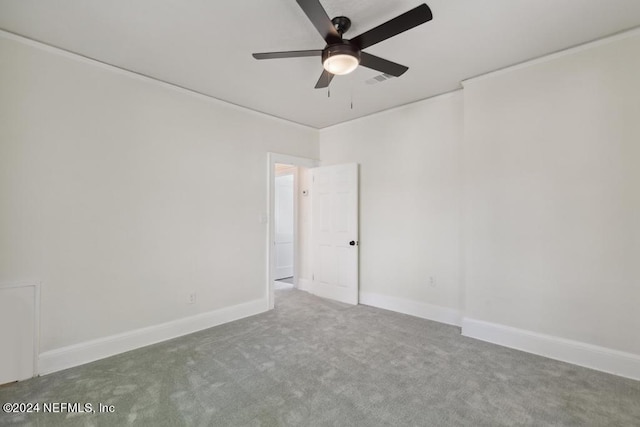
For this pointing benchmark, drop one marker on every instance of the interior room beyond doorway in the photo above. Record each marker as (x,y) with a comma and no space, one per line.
(291,225)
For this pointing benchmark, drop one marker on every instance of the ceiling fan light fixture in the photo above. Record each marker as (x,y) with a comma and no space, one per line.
(340,64)
(340,59)
(342,56)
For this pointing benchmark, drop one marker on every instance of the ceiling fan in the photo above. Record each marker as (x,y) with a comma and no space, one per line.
(341,56)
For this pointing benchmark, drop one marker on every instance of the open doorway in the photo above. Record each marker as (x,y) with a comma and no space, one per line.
(285,222)
(289,223)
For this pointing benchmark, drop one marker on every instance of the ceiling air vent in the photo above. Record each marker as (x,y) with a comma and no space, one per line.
(378,79)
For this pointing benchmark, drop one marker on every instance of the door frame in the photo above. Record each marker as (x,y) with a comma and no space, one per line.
(272,159)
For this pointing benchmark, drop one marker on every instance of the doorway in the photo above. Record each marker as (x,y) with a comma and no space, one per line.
(289,222)
(325,230)
(285,222)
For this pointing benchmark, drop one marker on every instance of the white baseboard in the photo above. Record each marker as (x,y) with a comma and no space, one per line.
(575,352)
(89,351)
(437,313)
(304,284)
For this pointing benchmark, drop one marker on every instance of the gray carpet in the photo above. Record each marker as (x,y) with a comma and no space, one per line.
(313,362)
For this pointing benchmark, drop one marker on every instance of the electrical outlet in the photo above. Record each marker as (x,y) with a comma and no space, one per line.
(191,298)
(432,281)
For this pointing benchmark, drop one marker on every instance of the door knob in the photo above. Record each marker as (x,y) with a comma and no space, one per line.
(353,243)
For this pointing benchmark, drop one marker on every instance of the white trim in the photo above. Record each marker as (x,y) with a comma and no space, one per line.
(304,284)
(437,313)
(139,76)
(296,224)
(36,316)
(575,352)
(336,293)
(89,351)
(551,56)
(272,159)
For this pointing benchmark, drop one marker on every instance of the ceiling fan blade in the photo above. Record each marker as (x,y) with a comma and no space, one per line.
(324,80)
(319,18)
(288,54)
(382,65)
(393,27)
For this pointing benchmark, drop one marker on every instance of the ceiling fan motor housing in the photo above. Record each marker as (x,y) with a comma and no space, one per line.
(340,58)
(344,48)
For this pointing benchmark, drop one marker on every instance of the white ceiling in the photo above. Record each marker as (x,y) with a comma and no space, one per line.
(206,45)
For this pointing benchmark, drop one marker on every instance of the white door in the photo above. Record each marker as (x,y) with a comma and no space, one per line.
(334,200)
(283,219)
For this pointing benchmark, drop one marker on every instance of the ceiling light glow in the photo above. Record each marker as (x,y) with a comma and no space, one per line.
(340,64)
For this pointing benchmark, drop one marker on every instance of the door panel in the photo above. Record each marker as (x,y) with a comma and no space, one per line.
(283,227)
(334,225)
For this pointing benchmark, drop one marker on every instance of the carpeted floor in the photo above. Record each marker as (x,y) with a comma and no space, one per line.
(313,362)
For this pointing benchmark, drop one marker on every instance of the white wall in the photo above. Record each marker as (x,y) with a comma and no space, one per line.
(553,196)
(409,203)
(304,229)
(122,194)
(541,250)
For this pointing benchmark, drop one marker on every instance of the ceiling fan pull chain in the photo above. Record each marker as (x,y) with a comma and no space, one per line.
(352,93)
